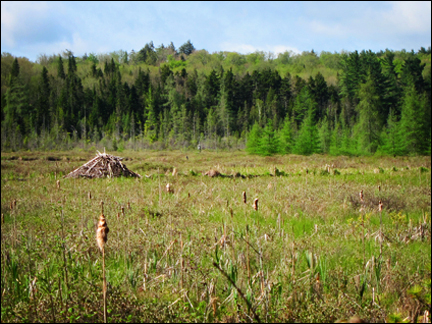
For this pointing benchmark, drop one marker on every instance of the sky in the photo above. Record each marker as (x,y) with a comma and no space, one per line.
(32,28)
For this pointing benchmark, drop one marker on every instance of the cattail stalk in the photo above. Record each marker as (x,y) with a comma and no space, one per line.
(380,208)
(181,262)
(101,238)
(247,252)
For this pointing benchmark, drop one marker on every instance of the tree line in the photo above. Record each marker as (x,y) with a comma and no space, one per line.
(350,103)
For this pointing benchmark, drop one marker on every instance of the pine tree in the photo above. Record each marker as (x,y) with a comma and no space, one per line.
(151,118)
(187,48)
(286,137)
(336,139)
(15,69)
(325,135)
(60,68)
(254,139)
(390,137)
(269,142)
(307,141)
(413,134)
(369,126)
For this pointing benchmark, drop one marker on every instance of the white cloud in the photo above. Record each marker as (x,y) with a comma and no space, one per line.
(409,17)
(282,49)
(246,48)
(392,19)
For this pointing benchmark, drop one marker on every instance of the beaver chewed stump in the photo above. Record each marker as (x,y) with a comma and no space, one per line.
(103,166)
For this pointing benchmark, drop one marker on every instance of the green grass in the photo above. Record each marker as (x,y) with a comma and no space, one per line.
(307,261)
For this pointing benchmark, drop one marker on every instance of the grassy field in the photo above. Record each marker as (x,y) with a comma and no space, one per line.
(310,253)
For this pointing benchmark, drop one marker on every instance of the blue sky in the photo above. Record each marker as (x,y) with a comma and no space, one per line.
(32,28)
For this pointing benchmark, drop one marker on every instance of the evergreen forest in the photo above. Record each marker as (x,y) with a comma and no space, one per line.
(347,103)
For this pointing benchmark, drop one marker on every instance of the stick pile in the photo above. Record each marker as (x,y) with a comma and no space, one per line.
(103,165)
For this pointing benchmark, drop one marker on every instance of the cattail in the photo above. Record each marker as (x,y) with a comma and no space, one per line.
(122,211)
(102,230)
(231,212)
(58,184)
(174,173)
(101,238)
(118,216)
(188,194)
(14,203)
(244,196)
(89,195)
(380,206)
(11,205)
(307,171)
(169,189)
(379,188)
(361,196)
(255,204)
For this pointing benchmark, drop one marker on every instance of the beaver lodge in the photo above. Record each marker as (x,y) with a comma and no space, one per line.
(103,165)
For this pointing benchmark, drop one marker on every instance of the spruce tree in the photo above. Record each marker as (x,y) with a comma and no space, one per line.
(413,134)
(390,137)
(60,68)
(307,142)
(324,135)
(369,126)
(269,142)
(286,137)
(254,139)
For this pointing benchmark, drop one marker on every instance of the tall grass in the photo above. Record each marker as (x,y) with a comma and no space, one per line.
(299,257)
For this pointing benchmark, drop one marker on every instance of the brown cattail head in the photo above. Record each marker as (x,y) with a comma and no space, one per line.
(58,184)
(255,204)
(380,206)
(169,189)
(122,210)
(379,188)
(188,194)
(361,196)
(244,197)
(89,195)
(14,203)
(102,232)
